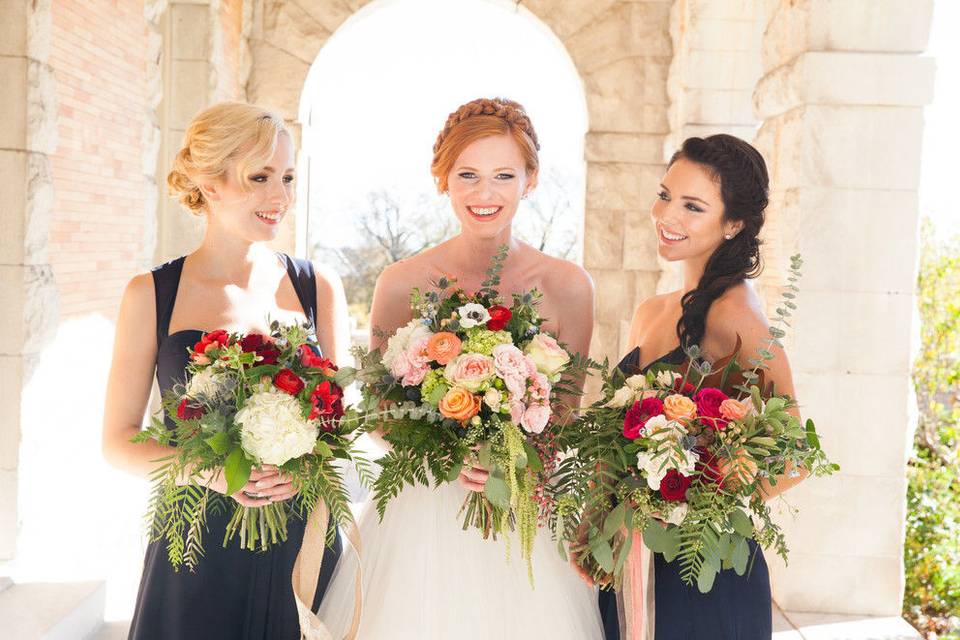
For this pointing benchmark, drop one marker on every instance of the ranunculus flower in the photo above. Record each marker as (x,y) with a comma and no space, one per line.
(310,358)
(678,407)
(286,380)
(262,346)
(443,347)
(189,409)
(708,402)
(208,341)
(638,415)
(459,404)
(327,402)
(674,486)
(535,418)
(683,387)
(499,317)
(472,314)
(470,371)
(272,428)
(732,409)
(547,354)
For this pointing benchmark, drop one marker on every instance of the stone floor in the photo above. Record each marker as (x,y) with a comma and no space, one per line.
(826,626)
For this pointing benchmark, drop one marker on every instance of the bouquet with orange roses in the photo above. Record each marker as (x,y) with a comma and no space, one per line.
(469,379)
(677,453)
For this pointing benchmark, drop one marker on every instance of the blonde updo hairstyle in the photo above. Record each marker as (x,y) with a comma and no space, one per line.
(479,119)
(228,134)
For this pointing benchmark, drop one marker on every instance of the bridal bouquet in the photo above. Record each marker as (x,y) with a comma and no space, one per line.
(469,379)
(678,453)
(250,400)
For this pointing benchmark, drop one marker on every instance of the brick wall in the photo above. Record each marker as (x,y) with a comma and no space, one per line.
(98,57)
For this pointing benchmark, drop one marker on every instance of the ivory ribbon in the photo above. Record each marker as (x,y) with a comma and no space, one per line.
(306,573)
(635,608)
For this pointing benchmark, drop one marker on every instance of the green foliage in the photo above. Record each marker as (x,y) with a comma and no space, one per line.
(932,550)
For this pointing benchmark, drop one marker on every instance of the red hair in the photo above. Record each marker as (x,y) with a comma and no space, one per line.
(478,119)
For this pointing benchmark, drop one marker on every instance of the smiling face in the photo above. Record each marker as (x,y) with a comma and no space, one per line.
(486,184)
(689,213)
(254,211)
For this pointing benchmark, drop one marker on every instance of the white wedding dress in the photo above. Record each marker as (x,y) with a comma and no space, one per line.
(424,578)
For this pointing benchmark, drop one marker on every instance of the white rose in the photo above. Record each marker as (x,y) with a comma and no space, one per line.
(655,464)
(660,428)
(472,314)
(273,429)
(400,341)
(667,378)
(678,514)
(637,382)
(206,383)
(547,354)
(621,398)
(493,399)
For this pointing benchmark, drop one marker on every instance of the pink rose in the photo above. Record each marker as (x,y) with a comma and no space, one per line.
(708,402)
(535,418)
(516,409)
(512,366)
(470,371)
(548,355)
(411,366)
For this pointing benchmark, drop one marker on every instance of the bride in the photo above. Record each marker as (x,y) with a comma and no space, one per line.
(424,577)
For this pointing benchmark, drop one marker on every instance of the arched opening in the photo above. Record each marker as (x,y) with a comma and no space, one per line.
(370,120)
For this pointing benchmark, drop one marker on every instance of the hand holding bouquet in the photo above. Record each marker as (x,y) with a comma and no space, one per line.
(251,401)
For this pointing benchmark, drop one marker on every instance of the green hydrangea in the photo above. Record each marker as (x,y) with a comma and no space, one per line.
(434,387)
(480,340)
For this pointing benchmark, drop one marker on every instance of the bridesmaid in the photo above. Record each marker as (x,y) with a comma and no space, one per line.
(708,215)
(236,168)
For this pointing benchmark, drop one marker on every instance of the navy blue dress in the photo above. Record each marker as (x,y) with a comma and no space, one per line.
(737,608)
(233,594)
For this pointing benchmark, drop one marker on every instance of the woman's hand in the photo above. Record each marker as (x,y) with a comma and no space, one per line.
(266,485)
(579,551)
(473,477)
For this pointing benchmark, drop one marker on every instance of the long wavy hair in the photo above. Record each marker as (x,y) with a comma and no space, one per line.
(744,188)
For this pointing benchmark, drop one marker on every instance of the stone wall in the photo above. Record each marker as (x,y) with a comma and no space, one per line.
(841,101)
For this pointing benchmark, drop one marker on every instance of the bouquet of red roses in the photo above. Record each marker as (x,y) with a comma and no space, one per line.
(250,400)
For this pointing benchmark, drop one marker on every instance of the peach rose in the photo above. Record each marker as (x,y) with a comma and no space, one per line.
(678,407)
(443,347)
(732,409)
(459,404)
(738,466)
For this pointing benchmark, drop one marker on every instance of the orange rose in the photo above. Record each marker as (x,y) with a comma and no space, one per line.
(739,466)
(459,404)
(678,407)
(734,409)
(443,347)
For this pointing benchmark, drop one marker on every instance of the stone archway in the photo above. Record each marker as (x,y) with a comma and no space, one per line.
(622,51)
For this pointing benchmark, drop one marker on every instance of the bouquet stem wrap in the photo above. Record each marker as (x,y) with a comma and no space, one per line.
(306,572)
(635,599)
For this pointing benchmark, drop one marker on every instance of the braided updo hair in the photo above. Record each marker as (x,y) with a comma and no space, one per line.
(479,119)
(227,134)
(744,188)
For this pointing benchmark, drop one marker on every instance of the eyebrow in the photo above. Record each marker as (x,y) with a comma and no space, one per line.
(478,171)
(270,169)
(686,197)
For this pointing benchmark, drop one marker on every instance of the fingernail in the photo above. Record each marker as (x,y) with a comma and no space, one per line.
(259,485)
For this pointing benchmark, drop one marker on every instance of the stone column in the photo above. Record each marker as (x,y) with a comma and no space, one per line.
(622,51)
(28,314)
(841,101)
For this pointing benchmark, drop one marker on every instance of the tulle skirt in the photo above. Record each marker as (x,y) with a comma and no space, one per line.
(427,579)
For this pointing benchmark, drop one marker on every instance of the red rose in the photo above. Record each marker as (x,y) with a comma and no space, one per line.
(327,401)
(310,358)
(188,409)
(674,486)
(639,414)
(287,380)
(213,340)
(499,317)
(708,402)
(262,346)
(683,387)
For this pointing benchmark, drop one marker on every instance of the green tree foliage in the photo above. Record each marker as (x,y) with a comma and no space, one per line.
(932,550)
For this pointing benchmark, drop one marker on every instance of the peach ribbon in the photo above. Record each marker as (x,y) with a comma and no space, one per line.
(306,572)
(635,596)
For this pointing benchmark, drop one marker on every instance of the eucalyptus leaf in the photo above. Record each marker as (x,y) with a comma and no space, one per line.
(497,491)
(741,523)
(613,521)
(602,553)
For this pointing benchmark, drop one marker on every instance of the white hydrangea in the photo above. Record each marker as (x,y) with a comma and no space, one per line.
(400,341)
(207,383)
(273,429)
